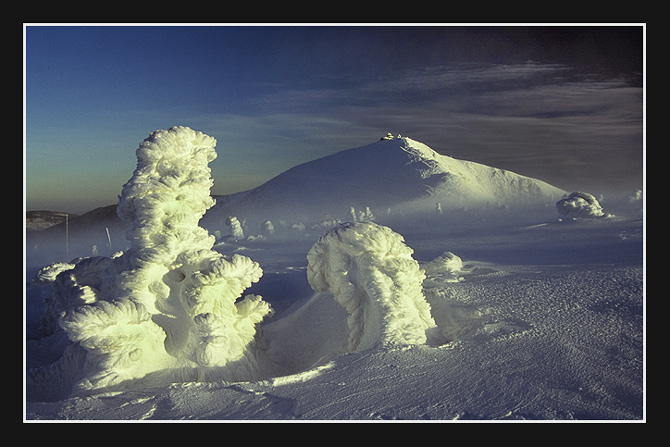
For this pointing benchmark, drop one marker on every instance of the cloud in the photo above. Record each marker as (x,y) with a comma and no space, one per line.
(469,76)
(542,120)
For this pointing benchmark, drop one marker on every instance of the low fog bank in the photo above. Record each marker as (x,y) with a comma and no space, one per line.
(101,231)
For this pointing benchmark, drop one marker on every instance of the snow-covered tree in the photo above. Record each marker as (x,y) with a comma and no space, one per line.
(236,230)
(371,273)
(170,302)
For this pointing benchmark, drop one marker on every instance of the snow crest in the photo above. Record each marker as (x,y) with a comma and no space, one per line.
(170,302)
(371,273)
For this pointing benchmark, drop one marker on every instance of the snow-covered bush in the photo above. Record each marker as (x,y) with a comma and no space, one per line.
(580,205)
(371,273)
(445,268)
(75,284)
(170,302)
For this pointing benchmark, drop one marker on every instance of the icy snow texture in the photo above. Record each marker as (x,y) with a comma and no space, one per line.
(371,273)
(170,302)
(579,205)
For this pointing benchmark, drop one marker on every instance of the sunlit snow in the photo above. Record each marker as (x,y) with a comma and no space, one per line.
(382,282)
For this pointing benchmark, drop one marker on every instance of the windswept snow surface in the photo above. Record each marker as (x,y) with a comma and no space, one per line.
(529,317)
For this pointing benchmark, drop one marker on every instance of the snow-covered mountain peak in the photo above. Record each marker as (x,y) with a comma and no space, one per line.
(408,145)
(388,175)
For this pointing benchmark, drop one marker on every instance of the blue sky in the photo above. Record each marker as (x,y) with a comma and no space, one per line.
(564,104)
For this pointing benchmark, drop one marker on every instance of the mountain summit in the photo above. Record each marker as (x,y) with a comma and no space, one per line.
(390,174)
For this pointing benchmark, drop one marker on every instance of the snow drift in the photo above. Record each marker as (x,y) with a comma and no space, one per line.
(580,205)
(169,304)
(370,271)
(391,176)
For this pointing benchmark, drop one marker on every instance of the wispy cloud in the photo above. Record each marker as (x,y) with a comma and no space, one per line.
(541,120)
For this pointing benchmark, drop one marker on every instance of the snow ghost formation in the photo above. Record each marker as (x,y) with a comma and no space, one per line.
(236,230)
(580,205)
(169,303)
(370,271)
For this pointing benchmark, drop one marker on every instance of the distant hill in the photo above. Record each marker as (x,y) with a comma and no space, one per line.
(41,220)
(396,174)
(391,176)
(46,234)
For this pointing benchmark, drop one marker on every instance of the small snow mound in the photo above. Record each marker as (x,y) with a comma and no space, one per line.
(580,205)
(447,267)
(371,273)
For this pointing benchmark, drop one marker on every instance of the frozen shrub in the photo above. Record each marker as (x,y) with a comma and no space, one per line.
(170,302)
(580,205)
(446,267)
(370,271)
(83,282)
(298,226)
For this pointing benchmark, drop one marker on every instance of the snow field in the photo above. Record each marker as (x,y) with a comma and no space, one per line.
(492,312)
(566,345)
